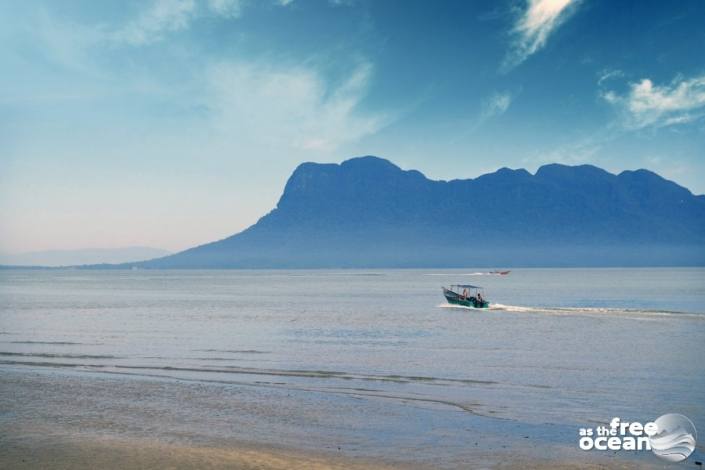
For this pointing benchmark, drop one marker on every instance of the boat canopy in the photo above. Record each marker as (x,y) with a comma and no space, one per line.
(466,286)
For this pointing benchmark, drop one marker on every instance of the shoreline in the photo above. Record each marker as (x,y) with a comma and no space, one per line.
(73,429)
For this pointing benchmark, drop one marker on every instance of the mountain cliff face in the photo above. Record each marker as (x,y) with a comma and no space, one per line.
(367,212)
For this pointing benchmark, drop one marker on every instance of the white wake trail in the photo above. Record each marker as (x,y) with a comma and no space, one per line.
(622,312)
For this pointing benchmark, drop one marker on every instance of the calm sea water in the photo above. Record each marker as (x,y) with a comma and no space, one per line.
(374,358)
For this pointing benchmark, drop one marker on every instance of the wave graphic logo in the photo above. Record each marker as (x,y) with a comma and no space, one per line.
(675,439)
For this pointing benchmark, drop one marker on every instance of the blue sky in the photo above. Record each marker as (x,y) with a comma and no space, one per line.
(170,123)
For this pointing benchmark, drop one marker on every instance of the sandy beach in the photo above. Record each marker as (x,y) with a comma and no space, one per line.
(56,421)
(108,453)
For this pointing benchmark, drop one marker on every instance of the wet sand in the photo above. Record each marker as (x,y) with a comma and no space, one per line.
(109,453)
(124,454)
(71,421)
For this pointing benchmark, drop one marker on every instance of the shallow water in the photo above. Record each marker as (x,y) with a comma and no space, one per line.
(558,349)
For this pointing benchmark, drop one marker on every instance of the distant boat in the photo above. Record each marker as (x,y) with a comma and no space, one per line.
(465,295)
(500,273)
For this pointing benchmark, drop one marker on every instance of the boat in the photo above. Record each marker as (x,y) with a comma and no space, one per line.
(500,273)
(465,295)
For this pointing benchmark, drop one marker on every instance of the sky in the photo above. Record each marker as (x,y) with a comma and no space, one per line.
(171,123)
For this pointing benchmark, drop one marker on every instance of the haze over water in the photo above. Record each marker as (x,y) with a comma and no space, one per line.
(374,362)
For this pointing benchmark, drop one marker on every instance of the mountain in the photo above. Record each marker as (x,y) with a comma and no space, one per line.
(367,212)
(86,256)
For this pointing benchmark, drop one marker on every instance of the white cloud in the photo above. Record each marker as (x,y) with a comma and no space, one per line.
(609,74)
(167,16)
(496,105)
(534,27)
(227,8)
(646,104)
(290,107)
(161,17)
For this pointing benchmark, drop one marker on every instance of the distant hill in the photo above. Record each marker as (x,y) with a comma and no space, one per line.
(55,258)
(367,212)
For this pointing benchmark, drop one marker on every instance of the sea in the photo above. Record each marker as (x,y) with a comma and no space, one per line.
(370,363)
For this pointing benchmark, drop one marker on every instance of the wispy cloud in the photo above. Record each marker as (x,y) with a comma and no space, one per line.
(492,107)
(609,74)
(290,107)
(162,16)
(579,151)
(496,105)
(260,104)
(228,8)
(648,105)
(534,27)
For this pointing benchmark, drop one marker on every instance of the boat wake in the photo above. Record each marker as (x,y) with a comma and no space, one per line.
(462,307)
(627,312)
